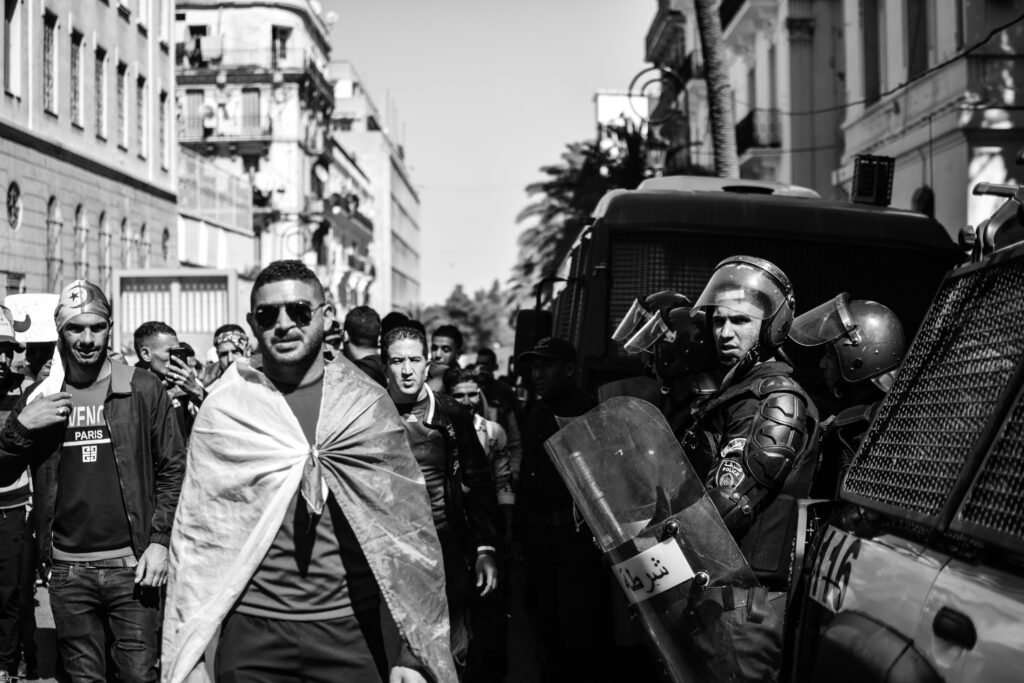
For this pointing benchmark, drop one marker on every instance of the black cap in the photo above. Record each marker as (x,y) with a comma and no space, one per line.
(551,347)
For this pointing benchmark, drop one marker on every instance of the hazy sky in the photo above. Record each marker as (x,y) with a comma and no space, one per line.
(486,92)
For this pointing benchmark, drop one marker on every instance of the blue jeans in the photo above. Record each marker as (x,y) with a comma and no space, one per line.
(92,599)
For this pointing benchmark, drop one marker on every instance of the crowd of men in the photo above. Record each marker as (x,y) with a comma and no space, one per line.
(352,492)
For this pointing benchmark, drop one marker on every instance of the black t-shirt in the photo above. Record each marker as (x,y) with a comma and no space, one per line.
(315,569)
(89,516)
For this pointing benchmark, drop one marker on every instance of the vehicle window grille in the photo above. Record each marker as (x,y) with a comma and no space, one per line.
(956,373)
(994,506)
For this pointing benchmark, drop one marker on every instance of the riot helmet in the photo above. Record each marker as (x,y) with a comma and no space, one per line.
(756,288)
(657,324)
(867,337)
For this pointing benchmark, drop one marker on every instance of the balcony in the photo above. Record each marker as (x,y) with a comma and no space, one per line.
(758,129)
(666,38)
(203,61)
(212,194)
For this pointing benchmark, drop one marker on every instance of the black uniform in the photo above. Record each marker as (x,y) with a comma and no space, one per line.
(755,443)
(841,436)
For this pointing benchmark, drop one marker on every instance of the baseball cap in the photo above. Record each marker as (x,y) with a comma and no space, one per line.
(551,347)
(7,328)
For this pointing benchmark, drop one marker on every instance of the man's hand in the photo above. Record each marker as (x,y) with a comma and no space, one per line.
(401,674)
(184,377)
(46,411)
(152,569)
(486,573)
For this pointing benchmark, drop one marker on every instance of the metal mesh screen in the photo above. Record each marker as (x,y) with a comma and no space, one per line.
(937,415)
(643,261)
(994,506)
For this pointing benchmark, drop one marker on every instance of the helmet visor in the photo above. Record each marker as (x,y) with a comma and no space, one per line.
(824,323)
(744,288)
(636,316)
(653,330)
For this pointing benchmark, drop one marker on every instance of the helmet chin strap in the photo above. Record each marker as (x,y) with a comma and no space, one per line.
(749,360)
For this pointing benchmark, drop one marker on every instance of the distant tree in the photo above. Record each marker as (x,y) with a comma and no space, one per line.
(483,318)
(568,196)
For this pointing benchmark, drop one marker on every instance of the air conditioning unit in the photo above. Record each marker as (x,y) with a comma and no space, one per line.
(872,179)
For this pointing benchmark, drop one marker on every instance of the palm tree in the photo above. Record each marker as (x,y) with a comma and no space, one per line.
(569,194)
(723,124)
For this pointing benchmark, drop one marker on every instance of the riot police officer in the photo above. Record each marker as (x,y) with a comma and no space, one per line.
(755,440)
(864,345)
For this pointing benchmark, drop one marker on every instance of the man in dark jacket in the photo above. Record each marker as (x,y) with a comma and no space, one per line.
(158,349)
(362,342)
(755,442)
(462,493)
(108,459)
(567,590)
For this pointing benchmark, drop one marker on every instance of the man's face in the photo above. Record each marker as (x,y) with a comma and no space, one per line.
(6,356)
(84,340)
(550,375)
(443,351)
(467,393)
(830,369)
(284,341)
(407,368)
(735,333)
(228,353)
(39,356)
(158,349)
(487,363)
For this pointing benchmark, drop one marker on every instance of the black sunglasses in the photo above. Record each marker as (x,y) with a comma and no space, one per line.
(300,313)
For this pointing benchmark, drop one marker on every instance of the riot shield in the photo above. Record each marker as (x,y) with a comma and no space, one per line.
(661,534)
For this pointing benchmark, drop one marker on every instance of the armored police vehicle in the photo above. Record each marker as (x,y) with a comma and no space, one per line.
(669,234)
(920,577)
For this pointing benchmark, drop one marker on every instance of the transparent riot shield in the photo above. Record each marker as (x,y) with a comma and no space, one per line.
(661,534)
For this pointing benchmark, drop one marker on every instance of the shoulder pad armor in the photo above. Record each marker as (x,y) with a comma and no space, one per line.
(771,385)
(779,432)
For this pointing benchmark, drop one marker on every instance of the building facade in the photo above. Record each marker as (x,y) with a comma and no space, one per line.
(86,142)
(958,121)
(253,96)
(785,65)
(358,126)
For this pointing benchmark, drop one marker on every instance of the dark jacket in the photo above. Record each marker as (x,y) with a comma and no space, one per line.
(725,423)
(542,493)
(148,450)
(471,500)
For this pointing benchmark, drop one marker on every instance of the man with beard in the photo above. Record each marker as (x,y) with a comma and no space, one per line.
(304,528)
(445,349)
(107,459)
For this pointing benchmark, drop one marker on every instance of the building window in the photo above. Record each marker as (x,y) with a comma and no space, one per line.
(12,47)
(106,261)
(917,24)
(251,111)
(122,105)
(100,92)
(77,79)
(193,113)
(144,247)
(165,246)
(279,36)
(50,63)
(140,115)
(163,133)
(126,244)
(81,245)
(14,208)
(871,50)
(14,282)
(54,246)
